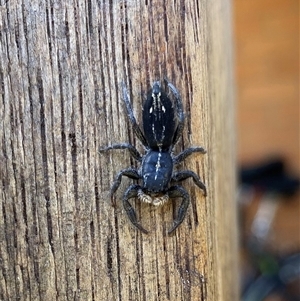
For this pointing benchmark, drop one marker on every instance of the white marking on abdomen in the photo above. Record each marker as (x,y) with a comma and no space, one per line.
(157,166)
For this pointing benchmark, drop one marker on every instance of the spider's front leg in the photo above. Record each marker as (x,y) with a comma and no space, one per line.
(185,174)
(131,173)
(176,192)
(132,192)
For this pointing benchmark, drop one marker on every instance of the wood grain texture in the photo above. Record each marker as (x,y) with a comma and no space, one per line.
(61,65)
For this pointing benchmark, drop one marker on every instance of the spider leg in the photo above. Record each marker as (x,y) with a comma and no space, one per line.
(183,155)
(185,174)
(133,151)
(179,109)
(131,173)
(131,117)
(132,192)
(174,192)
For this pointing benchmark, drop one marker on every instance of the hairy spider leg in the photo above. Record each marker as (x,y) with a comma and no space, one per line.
(185,174)
(131,173)
(131,117)
(132,150)
(180,113)
(132,192)
(187,152)
(176,192)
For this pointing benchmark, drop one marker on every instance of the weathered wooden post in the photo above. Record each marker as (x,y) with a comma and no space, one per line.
(61,65)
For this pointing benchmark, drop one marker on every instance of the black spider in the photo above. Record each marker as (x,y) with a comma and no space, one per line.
(163,126)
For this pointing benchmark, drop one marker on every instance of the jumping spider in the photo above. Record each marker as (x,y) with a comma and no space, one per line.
(163,126)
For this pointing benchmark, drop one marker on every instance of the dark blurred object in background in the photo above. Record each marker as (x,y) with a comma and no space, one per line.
(267,77)
(267,273)
(270,176)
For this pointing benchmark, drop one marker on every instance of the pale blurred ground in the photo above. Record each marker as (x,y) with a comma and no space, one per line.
(267,69)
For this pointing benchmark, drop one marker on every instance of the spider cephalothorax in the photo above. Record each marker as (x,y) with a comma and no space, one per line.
(162,127)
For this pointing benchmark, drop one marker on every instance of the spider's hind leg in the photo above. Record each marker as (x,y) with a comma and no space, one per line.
(187,152)
(131,117)
(132,150)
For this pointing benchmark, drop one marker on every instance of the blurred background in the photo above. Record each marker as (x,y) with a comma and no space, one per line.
(267,77)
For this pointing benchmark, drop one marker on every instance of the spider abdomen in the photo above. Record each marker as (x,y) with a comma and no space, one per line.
(158,119)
